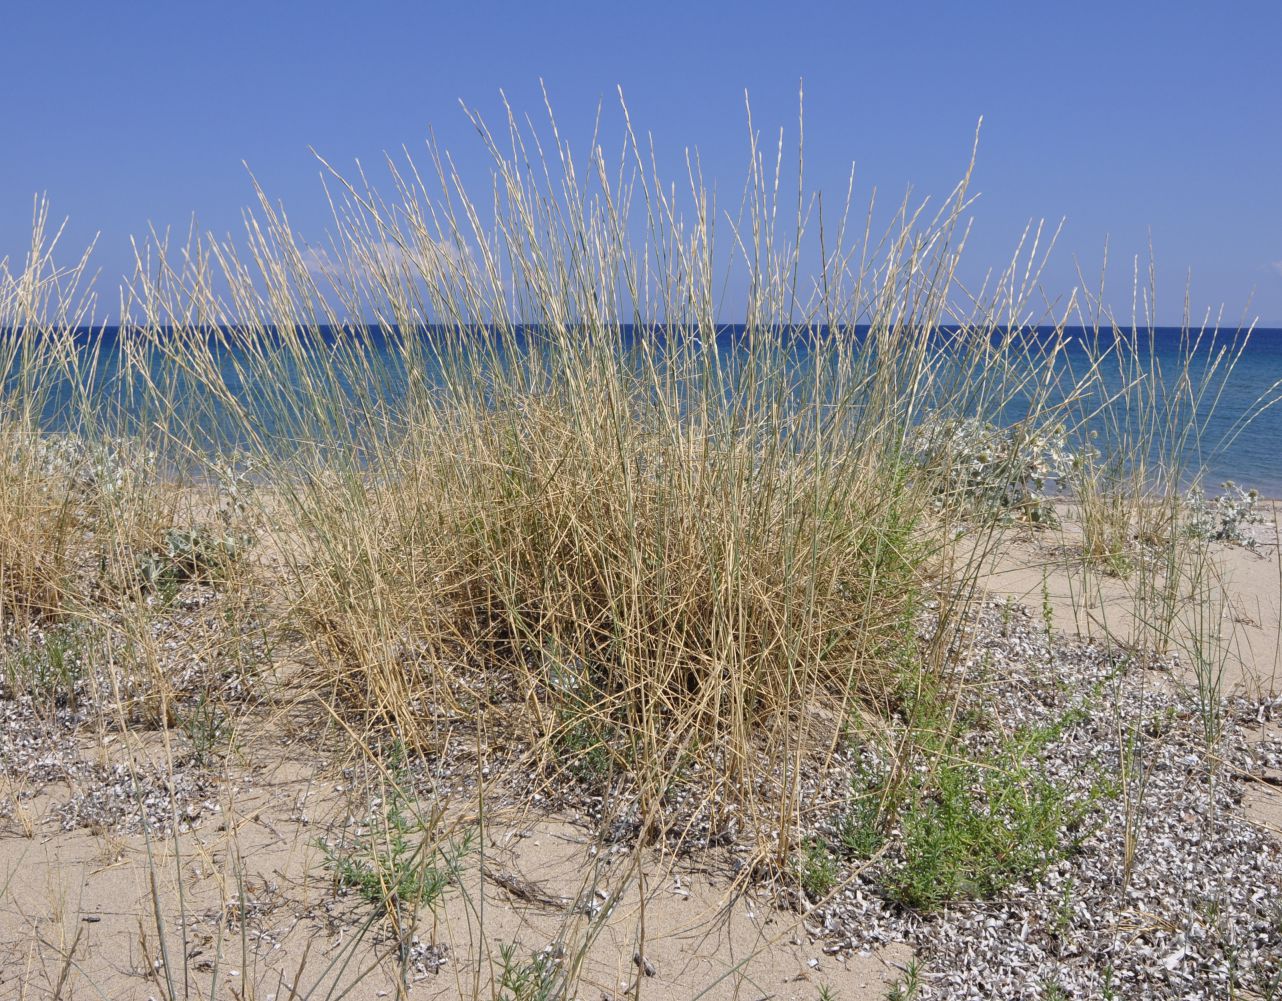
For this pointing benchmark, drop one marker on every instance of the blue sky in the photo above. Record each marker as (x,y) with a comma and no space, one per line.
(1124,118)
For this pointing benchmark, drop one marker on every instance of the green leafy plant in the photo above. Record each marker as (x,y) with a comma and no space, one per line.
(906,988)
(973,825)
(580,744)
(51,669)
(535,979)
(1053,990)
(816,869)
(1064,910)
(1048,609)
(393,865)
(860,829)
(207,728)
(581,738)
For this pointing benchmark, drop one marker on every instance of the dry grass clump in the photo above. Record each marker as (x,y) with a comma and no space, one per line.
(639,542)
(40,478)
(80,494)
(664,590)
(37,525)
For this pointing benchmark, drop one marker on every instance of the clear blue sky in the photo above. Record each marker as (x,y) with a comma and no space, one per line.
(1123,117)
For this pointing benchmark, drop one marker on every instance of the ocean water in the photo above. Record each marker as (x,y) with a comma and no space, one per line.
(1237,431)
(1242,440)
(1239,428)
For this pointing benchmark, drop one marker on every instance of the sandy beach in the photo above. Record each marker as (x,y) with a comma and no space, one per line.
(229,880)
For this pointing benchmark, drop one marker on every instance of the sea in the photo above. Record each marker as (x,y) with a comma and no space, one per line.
(1239,414)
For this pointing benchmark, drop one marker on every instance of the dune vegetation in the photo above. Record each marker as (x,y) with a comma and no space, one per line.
(481,502)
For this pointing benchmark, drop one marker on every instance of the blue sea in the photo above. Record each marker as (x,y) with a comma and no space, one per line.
(1241,428)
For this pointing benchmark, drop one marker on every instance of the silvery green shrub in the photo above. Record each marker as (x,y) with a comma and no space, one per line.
(981,467)
(203,553)
(1223,518)
(87,467)
(196,554)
